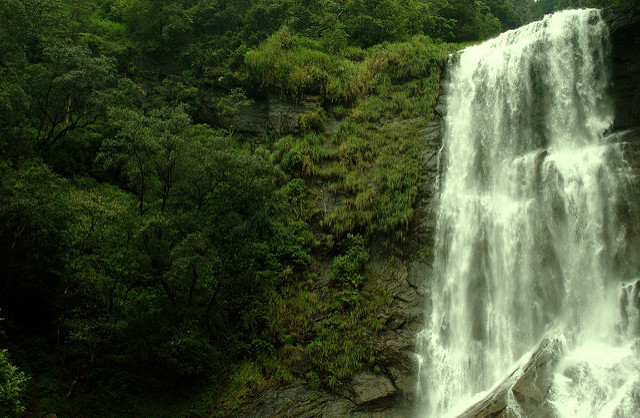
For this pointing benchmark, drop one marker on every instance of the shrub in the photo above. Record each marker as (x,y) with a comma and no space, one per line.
(312,121)
(12,386)
(347,269)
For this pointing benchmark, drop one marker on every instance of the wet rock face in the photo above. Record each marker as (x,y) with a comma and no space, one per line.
(372,391)
(630,404)
(392,391)
(403,320)
(297,400)
(624,28)
(630,308)
(524,392)
(267,114)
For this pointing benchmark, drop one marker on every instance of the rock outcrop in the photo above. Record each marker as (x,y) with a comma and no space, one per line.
(523,392)
(624,29)
(392,392)
(403,320)
(372,391)
(266,114)
(298,400)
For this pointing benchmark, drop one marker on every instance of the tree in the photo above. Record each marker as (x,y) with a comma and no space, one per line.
(130,153)
(100,276)
(504,11)
(12,58)
(34,243)
(369,23)
(70,90)
(232,104)
(12,387)
(147,150)
(13,100)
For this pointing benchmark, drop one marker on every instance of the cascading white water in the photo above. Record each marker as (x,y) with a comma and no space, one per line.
(529,232)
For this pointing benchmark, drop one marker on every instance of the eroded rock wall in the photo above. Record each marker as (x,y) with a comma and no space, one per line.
(624,28)
(391,392)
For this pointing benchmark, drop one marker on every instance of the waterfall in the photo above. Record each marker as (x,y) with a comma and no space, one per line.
(531,225)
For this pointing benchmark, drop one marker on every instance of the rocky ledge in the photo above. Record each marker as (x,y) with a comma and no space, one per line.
(524,392)
(371,396)
(392,392)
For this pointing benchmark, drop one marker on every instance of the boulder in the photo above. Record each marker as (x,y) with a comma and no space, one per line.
(372,391)
(524,392)
(297,400)
(629,405)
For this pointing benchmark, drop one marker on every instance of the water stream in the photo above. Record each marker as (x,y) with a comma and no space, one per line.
(531,226)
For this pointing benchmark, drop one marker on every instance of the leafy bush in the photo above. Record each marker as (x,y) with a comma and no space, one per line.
(299,156)
(347,269)
(312,121)
(294,64)
(344,343)
(12,387)
(289,62)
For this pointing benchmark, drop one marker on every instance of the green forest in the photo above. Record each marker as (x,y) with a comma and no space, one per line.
(155,255)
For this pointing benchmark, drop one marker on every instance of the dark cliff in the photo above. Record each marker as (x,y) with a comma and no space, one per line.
(624,28)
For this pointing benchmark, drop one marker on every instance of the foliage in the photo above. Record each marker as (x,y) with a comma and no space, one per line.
(530,10)
(145,253)
(344,343)
(245,380)
(12,387)
(346,270)
(34,241)
(70,89)
(294,65)
(300,156)
(231,105)
(377,151)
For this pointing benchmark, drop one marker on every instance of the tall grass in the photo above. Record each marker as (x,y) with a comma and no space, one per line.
(369,171)
(293,65)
